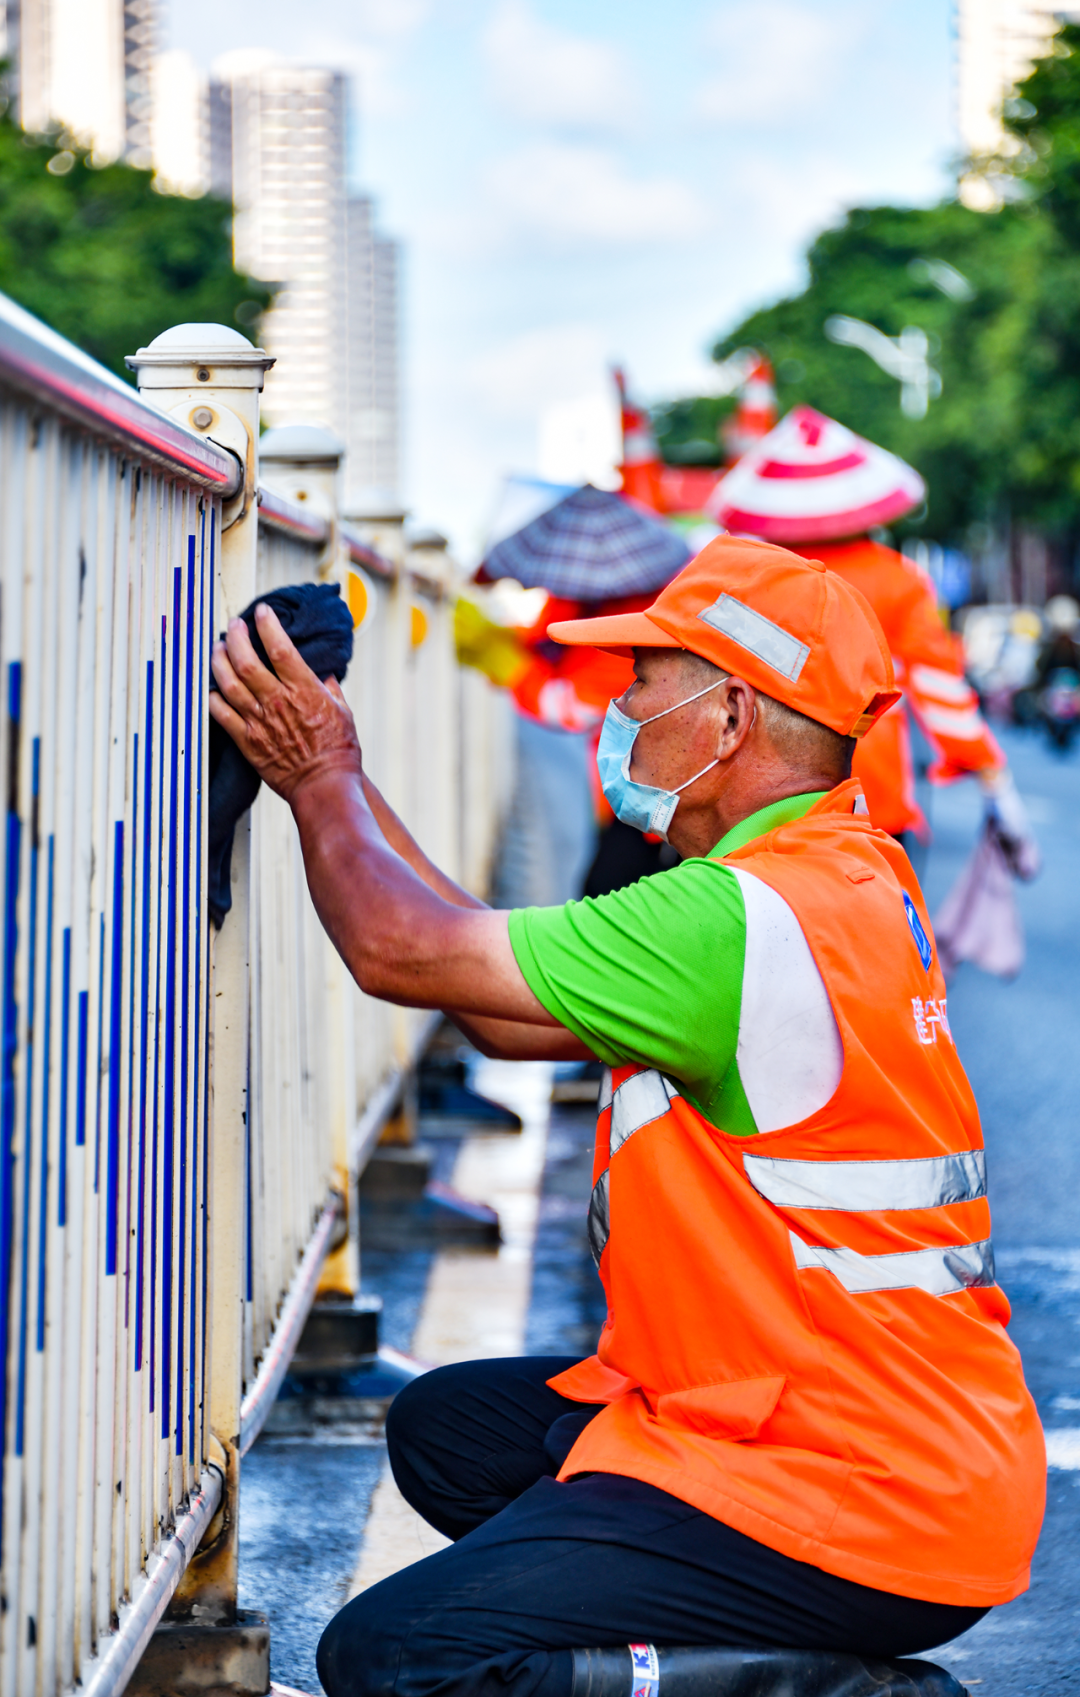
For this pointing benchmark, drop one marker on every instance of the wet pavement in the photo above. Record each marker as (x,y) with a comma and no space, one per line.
(305,1502)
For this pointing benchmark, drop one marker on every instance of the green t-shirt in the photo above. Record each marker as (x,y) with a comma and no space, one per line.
(653,974)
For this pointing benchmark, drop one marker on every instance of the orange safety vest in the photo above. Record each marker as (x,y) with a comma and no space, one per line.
(804,1337)
(929,663)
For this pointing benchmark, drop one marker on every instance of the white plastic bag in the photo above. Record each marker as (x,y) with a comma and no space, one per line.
(979,920)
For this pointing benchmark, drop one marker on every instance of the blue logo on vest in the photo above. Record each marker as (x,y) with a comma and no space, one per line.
(922,941)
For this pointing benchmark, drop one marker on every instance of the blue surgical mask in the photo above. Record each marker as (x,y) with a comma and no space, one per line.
(640,805)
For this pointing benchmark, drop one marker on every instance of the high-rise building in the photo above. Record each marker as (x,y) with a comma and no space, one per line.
(85,64)
(272,138)
(288,186)
(997,42)
(180,125)
(372,404)
(277,144)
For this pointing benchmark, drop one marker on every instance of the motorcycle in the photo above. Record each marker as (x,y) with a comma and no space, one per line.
(1059,706)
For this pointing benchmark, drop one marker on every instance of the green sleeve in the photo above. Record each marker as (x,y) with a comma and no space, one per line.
(651,974)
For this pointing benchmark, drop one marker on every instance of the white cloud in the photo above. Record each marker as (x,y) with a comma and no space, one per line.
(575,194)
(547,76)
(516,379)
(389,18)
(777,58)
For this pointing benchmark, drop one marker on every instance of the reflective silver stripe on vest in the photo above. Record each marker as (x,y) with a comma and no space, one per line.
(599,1223)
(640,1099)
(604,1099)
(867,1187)
(940,1272)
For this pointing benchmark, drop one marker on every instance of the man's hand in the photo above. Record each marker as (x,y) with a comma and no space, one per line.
(405,932)
(291,727)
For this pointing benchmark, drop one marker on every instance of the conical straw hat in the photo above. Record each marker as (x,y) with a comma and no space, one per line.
(810,480)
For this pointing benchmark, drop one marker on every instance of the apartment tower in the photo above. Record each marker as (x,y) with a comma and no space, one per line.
(84,65)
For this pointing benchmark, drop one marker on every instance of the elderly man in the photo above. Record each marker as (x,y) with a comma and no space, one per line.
(804,1424)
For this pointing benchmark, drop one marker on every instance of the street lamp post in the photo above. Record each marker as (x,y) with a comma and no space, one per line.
(905,357)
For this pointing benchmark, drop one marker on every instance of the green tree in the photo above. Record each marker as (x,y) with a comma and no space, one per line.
(104,258)
(1003,438)
(880,266)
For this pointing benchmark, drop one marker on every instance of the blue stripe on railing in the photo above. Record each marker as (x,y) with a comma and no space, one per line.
(169,1115)
(100,1054)
(10,1033)
(65,1075)
(204,649)
(46,1069)
(132,1075)
(28,1095)
(116,1057)
(249,1210)
(154,1164)
(144,1011)
(82,1061)
(187,1168)
(194,921)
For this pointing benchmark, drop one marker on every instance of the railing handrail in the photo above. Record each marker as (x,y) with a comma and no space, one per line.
(40,363)
(362,554)
(293,520)
(108,1673)
(290,1323)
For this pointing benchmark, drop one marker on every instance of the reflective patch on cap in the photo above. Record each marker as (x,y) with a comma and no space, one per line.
(753,631)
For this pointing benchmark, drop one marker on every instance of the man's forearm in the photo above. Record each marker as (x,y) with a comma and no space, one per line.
(371,900)
(513,1040)
(404,843)
(401,939)
(406,932)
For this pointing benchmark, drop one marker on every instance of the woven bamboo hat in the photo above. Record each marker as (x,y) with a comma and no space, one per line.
(811,480)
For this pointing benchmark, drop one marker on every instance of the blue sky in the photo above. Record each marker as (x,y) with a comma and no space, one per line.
(581,181)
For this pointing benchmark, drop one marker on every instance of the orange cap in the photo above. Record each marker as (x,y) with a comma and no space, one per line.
(788,626)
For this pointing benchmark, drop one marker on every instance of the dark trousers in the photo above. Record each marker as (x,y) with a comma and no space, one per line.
(540,1568)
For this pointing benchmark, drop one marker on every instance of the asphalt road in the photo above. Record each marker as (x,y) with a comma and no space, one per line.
(1020,1043)
(304,1504)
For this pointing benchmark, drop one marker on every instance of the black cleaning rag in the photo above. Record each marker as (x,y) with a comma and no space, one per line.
(320,624)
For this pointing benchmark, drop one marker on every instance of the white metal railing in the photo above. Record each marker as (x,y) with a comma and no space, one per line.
(178,1113)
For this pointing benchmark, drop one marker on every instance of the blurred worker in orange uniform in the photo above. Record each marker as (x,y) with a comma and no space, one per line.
(815,487)
(594,553)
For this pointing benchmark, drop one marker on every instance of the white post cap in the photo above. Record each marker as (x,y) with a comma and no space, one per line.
(190,354)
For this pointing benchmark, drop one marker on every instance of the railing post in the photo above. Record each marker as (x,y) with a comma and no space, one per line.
(381,523)
(210,377)
(302,462)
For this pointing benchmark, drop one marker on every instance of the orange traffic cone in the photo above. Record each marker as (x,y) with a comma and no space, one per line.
(641,468)
(755,415)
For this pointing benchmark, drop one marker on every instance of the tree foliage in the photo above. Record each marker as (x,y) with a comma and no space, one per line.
(1003,438)
(104,258)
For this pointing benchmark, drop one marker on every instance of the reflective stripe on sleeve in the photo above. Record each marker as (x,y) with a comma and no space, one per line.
(940,1272)
(640,1099)
(599,1223)
(946,686)
(965,725)
(868,1187)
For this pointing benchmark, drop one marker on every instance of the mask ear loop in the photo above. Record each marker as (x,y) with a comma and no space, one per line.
(653,717)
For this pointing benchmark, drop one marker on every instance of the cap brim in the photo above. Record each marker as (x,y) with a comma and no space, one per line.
(621,630)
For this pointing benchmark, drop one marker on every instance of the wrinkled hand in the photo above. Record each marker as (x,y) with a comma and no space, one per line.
(291,727)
